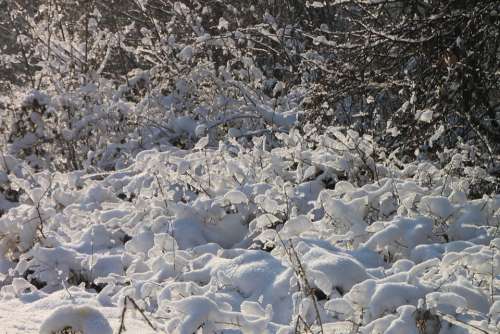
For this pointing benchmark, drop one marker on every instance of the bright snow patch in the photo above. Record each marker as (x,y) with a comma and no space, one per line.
(83,319)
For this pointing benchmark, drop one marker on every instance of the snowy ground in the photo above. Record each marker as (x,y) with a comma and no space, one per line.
(238,240)
(18,316)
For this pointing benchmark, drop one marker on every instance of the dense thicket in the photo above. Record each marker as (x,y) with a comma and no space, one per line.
(420,77)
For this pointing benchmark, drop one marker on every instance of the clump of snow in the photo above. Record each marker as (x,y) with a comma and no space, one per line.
(331,271)
(83,319)
(186,53)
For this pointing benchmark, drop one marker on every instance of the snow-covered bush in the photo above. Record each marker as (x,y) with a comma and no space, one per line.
(247,167)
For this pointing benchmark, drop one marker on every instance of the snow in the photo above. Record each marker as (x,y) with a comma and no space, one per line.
(446,302)
(84,319)
(388,297)
(212,167)
(231,239)
(339,271)
(235,197)
(186,53)
(74,306)
(437,205)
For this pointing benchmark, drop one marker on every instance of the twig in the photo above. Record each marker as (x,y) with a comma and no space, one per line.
(172,231)
(199,184)
(301,274)
(141,311)
(461,323)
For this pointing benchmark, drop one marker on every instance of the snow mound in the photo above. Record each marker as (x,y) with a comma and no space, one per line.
(82,319)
